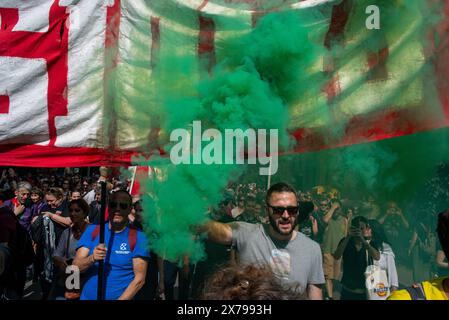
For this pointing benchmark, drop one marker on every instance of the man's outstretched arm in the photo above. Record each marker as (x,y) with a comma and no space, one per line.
(217,232)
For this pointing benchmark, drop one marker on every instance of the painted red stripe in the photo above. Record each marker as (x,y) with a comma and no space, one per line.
(441,61)
(370,127)
(112,31)
(335,35)
(206,42)
(51,46)
(339,19)
(4,104)
(155,40)
(361,129)
(10,17)
(57,66)
(45,156)
(377,64)
(256,16)
(111,61)
(332,88)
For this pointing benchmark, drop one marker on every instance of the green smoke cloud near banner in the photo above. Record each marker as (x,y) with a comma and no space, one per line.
(272,77)
(251,88)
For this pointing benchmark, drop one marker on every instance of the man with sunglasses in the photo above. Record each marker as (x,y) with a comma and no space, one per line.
(293,257)
(125,254)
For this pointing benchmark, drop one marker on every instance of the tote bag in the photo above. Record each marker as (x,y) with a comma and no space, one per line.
(376,282)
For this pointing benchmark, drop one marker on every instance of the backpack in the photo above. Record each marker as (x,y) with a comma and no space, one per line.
(417,293)
(132,236)
(38,231)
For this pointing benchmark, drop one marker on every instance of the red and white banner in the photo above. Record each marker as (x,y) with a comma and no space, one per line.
(52,55)
(56,56)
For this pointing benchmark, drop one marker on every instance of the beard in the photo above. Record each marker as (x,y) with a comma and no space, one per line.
(275,225)
(120,223)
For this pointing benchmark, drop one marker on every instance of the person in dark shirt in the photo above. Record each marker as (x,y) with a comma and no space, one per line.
(21,204)
(16,254)
(57,210)
(357,251)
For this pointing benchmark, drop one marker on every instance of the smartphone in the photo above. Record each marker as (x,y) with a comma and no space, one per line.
(354,224)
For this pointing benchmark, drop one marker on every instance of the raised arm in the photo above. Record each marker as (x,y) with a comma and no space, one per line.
(331,212)
(373,252)
(218,232)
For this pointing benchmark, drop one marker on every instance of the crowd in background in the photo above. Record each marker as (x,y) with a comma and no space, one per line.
(37,196)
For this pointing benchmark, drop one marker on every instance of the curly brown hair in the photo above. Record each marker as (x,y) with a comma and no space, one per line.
(248,283)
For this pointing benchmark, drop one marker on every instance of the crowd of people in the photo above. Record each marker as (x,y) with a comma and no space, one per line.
(407,241)
(314,244)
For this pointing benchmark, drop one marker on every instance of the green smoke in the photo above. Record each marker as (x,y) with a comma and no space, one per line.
(252,87)
(404,80)
(272,78)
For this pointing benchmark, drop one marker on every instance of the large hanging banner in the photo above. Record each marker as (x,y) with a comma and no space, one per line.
(68,96)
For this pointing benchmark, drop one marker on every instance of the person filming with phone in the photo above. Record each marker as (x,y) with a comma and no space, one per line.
(358,251)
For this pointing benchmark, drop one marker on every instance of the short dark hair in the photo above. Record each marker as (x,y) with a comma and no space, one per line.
(280,187)
(82,204)
(37,191)
(378,232)
(124,192)
(443,231)
(356,221)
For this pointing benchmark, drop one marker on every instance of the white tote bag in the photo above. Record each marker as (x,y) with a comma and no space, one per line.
(376,282)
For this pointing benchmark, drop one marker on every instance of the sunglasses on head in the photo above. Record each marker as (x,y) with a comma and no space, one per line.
(280,210)
(121,205)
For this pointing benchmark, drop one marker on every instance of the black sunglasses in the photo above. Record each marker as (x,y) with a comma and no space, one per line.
(121,205)
(280,210)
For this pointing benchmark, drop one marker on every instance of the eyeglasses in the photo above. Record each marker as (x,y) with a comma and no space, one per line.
(280,210)
(121,205)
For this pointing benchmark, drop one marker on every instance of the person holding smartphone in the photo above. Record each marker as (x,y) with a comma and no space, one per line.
(357,252)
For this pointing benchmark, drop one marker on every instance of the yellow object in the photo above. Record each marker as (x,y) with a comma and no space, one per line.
(333,193)
(433,289)
(319,190)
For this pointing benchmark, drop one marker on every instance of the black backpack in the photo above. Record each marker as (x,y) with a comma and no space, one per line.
(37,230)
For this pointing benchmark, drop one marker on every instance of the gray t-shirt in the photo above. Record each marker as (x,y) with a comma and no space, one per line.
(297,262)
(61,250)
